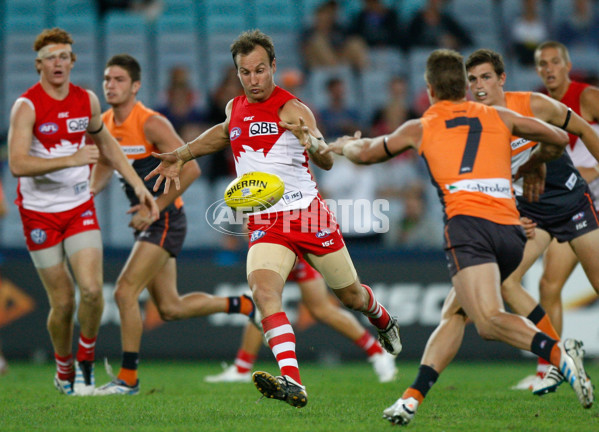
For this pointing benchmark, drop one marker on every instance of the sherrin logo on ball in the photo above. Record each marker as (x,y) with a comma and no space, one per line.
(254,191)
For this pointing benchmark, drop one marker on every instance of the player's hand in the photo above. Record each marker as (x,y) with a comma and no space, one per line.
(529,227)
(533,174)
(142,217)
(145,198)
(86,155)
(337,145)
(169,169)
(300,130)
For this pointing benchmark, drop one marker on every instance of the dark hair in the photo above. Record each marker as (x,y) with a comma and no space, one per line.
(484,55)
(248,40)
(553,44)
(128,63)
(446,74)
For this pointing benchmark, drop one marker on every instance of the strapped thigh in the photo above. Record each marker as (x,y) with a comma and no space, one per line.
(336,267)
(270,256)
(49,257)
(83,240)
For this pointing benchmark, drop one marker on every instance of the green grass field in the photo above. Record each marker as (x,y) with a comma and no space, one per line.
(468,397)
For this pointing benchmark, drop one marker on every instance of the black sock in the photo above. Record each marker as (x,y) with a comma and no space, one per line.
(542,345)
(130,360)
(234,305)
(537,314)
(425,379)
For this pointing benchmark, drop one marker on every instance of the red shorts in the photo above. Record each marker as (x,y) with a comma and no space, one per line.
(44,230)
(303,272)
(311,230)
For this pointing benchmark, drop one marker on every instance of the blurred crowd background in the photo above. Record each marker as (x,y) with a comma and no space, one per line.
(357,63)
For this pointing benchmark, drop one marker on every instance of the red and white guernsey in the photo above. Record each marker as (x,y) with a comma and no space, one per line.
(59,130)
(259,144)
(580,155)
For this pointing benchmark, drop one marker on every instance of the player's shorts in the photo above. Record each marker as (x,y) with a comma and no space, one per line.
(581,221)
(168,231)
(311,230)
(472,241)
(594,188)
(43,230)
(303,272)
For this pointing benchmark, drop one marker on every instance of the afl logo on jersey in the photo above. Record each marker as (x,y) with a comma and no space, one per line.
(77,124)
(235,133)
(38,236)
(48,128)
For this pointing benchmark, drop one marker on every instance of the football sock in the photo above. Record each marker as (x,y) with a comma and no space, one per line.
(539,318)
(424,381)
(375,312)
(369,344)
(546,348)
(87,349)
(244,361)
(281,340)
(240,304)
(128,372)
(64,367)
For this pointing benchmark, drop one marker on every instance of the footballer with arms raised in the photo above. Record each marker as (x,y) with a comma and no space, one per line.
(270,130)
(467,148)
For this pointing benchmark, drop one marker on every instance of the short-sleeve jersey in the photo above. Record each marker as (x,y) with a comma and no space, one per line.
(466,147)
(564,187)
(130,135)
(58,131)
(580,155)
(260,144)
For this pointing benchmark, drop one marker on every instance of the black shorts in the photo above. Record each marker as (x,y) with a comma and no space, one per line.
(168,231)
(471,241)
(581,221)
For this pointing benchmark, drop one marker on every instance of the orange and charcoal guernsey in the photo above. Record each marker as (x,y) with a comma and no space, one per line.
(130,135)
(467,149)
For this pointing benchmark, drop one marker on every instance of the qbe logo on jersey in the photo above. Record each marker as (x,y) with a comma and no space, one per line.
(77,124)
(263,128)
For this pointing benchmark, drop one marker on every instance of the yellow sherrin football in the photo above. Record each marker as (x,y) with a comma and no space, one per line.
(254,191)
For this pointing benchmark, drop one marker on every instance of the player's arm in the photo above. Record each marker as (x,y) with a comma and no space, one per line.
(558,114)
(299,119)
(113,154)
(160,132)
(379,149)
(20,135)
(212,140)
(101,174)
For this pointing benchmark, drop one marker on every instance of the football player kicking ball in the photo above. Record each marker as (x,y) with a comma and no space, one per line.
(323,308)
(256,129)
(152,262)
(467,147)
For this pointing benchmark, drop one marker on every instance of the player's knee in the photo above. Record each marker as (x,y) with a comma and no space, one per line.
(486,329)
(353,301)
(169,312)
(91,296)
(549,290)
(64,307)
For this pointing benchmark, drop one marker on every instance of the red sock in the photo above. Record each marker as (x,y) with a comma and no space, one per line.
(376,313)
(281,340)
(369,344)
(87,348)
(244,361)
(64,367)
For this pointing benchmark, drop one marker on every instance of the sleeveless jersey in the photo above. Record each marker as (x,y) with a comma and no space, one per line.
(466,147)
(259,144)
(580,155)
(59,130)
(564,186)
(130,135)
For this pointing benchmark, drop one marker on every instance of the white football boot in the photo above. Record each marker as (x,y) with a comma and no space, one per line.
(384,366)
(389,338)
(229,374)
(85,381)
(573,371)
(402,411)
(549,383)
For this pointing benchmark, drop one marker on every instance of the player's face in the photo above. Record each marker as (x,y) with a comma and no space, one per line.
(55,66)
(256,74)
(118,87)
(552,68)
(485,85)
